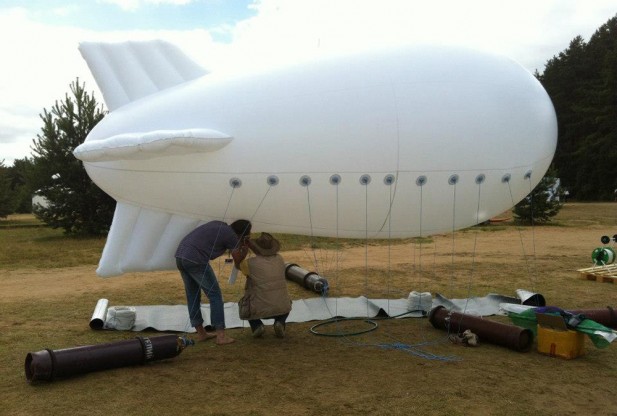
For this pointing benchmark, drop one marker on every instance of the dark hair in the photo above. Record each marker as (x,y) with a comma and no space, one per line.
(242,228)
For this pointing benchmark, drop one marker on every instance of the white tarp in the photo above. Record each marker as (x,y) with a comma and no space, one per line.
(175,317)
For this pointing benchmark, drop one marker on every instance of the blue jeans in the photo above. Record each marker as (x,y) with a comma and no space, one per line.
(198,277)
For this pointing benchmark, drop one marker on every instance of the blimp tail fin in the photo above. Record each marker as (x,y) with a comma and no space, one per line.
(128,71)
(141,239)
(151,144)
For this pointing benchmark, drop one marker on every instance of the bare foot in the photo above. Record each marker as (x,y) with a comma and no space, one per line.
(224,340)
(205,336)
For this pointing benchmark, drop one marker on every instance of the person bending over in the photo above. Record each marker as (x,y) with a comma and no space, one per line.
(205,243)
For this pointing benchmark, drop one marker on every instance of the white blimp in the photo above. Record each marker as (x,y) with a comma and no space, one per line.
(390,144)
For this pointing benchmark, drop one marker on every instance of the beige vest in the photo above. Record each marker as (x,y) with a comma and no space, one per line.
(266,287)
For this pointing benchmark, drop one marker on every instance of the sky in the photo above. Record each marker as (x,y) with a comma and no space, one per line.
(39,38)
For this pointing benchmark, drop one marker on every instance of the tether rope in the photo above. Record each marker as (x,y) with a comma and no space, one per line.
(520,236)
(372,325)
(453,239)
(366,243)
(389,273)
(336,245)
(473,255)
(307,185)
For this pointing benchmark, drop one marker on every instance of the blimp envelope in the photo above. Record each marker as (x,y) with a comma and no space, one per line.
(388,144)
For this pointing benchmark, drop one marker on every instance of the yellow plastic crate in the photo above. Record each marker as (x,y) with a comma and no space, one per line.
(558,343)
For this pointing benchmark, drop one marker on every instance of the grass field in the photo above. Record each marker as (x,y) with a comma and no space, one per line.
(48,289)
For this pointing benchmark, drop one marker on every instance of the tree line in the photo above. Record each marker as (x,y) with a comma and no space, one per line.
(581,81)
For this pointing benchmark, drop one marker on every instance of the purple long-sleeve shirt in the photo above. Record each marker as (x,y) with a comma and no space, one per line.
(207,242)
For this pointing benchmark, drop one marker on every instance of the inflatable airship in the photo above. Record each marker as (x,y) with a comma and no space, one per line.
(388,144)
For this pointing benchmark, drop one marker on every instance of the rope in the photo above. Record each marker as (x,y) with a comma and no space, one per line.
(520,236)
(366,243)
(475,246)
(310,217)
(533,234)
(343,334)
(336,275)
(389,273)
(372,325)
(420,232)
(396,345)
(453,239)
(453,245)
(261,202)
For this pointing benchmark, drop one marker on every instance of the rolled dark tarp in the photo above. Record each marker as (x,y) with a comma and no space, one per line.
(53,364)
(510,336)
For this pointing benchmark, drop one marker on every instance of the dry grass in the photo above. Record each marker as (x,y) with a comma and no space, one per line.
(305,374)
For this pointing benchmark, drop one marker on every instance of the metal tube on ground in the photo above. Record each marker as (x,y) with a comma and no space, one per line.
(309,280)
(530,298)
(98,316)
(51,364)
(510,336)
(606,316)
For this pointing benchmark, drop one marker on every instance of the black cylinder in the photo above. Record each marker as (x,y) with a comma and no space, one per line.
(51,364)
(510,336)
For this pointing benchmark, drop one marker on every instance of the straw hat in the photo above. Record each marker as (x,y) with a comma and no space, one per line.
(265,245)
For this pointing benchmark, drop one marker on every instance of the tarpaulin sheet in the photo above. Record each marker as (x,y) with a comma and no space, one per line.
(175,317)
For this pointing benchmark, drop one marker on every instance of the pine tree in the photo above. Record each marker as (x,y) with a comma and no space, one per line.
(7,204)
(75,203)
(20,186)
(543,203)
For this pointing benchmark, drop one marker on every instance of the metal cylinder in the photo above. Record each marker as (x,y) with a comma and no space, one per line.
(52,364)
(510,336)
(98,316)
(606,316)
(530,298)
(309,280)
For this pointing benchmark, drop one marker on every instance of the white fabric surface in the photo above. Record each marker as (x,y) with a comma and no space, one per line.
(175,317)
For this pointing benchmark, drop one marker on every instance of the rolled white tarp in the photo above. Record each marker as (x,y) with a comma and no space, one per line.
(121,318)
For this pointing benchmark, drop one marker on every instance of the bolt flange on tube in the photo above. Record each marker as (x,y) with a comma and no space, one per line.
(48,365)
(309,280)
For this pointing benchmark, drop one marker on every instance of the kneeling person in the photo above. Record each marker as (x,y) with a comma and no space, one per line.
(265,292)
